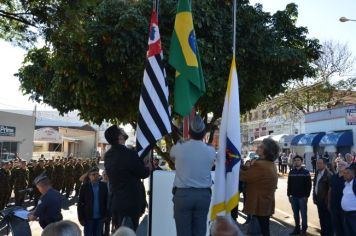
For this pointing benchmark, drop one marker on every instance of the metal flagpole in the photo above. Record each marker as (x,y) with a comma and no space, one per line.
(150,197)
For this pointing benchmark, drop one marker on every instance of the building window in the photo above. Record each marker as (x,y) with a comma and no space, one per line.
(8,150)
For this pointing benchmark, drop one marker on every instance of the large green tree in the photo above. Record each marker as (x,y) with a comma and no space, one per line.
(94,54)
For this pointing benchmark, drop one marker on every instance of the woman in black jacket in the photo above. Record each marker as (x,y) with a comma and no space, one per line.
(92,204)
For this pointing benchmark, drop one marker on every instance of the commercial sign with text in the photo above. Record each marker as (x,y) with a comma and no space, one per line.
(7,130)
(351,116)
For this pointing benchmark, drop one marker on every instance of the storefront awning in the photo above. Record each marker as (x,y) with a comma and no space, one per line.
(296,139)
(71,139)
(260,139)
(337,139)
(311,139)
(279,137)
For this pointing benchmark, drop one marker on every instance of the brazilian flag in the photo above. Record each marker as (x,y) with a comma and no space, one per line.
(184,57)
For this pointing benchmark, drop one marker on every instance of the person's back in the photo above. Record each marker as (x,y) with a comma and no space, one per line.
(193,161)
(122,166)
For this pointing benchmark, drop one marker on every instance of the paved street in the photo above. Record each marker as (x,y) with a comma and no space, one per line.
(284,211)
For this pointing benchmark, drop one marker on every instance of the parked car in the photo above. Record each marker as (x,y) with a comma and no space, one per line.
(251,156)
(7,156)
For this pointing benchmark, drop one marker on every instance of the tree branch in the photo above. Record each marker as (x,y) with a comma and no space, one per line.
(15,17)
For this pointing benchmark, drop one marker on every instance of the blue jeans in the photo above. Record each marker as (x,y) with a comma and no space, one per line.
(191,206)
(350,224)
(300,205)
(93,227)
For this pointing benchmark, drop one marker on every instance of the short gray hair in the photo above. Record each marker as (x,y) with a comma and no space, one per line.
(124,231)
(62,228)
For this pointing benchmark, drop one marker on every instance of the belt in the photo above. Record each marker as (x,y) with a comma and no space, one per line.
(191,188)
(350,212)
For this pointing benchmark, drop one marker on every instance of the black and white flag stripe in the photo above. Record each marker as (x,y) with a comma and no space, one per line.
(154,115)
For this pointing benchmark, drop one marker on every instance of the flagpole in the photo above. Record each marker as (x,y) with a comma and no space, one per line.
(234,30)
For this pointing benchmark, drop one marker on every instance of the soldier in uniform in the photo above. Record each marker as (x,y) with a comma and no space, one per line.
(86,165)
(78,171)
(69,178)
(31,176)
(57,175)
(38,170)
(5,183)
(20,178)
(63,164)
(49,169)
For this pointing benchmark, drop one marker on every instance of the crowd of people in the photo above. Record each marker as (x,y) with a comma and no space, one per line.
(113,202)
(18,177)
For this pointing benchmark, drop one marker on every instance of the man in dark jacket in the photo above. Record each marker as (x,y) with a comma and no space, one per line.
(125,171)
(48,209)
(92,204)
(320,196)
(298,191)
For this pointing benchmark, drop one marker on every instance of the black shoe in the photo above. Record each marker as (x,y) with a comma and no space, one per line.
(295,232)
(303,233)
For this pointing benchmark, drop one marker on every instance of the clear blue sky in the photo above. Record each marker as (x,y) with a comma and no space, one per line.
(321,17)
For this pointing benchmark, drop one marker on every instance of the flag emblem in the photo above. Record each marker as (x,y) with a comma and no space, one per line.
(154,115)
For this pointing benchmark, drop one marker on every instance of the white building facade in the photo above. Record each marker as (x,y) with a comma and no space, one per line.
(16,135)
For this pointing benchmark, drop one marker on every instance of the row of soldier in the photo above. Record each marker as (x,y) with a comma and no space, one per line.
(17,177)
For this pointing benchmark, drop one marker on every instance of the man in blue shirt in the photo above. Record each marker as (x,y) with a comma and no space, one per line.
(92,204)
(48,209)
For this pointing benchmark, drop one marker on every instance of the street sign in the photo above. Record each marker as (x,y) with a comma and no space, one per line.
(351,116)
(7,130)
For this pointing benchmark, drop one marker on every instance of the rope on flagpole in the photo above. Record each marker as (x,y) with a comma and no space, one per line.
(234,29)
(157,7)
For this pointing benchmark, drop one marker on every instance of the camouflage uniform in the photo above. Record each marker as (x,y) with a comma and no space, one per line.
(58,176)
(31,177)
(5,187)
(38,170)
(20,177)
(49,170)
(78,171)
(69,178)
(86,166)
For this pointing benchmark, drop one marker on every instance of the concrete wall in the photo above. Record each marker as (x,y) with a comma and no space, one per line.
(85,141)
(25,126)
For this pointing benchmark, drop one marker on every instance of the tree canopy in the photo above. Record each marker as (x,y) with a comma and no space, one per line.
(94,53)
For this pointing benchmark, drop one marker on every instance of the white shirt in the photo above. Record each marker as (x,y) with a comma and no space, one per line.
(321,173)
(348,201)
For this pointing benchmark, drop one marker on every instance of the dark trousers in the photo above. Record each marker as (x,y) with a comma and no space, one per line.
(191,206)
(93,227)
(325,219)
(128,219)
(337,218)
(299,205)
(279,167)
(19,197)
(264,225)
(350,223)
(284,169)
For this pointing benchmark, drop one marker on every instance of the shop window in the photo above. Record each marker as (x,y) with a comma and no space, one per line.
(8,150)
(55,147)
